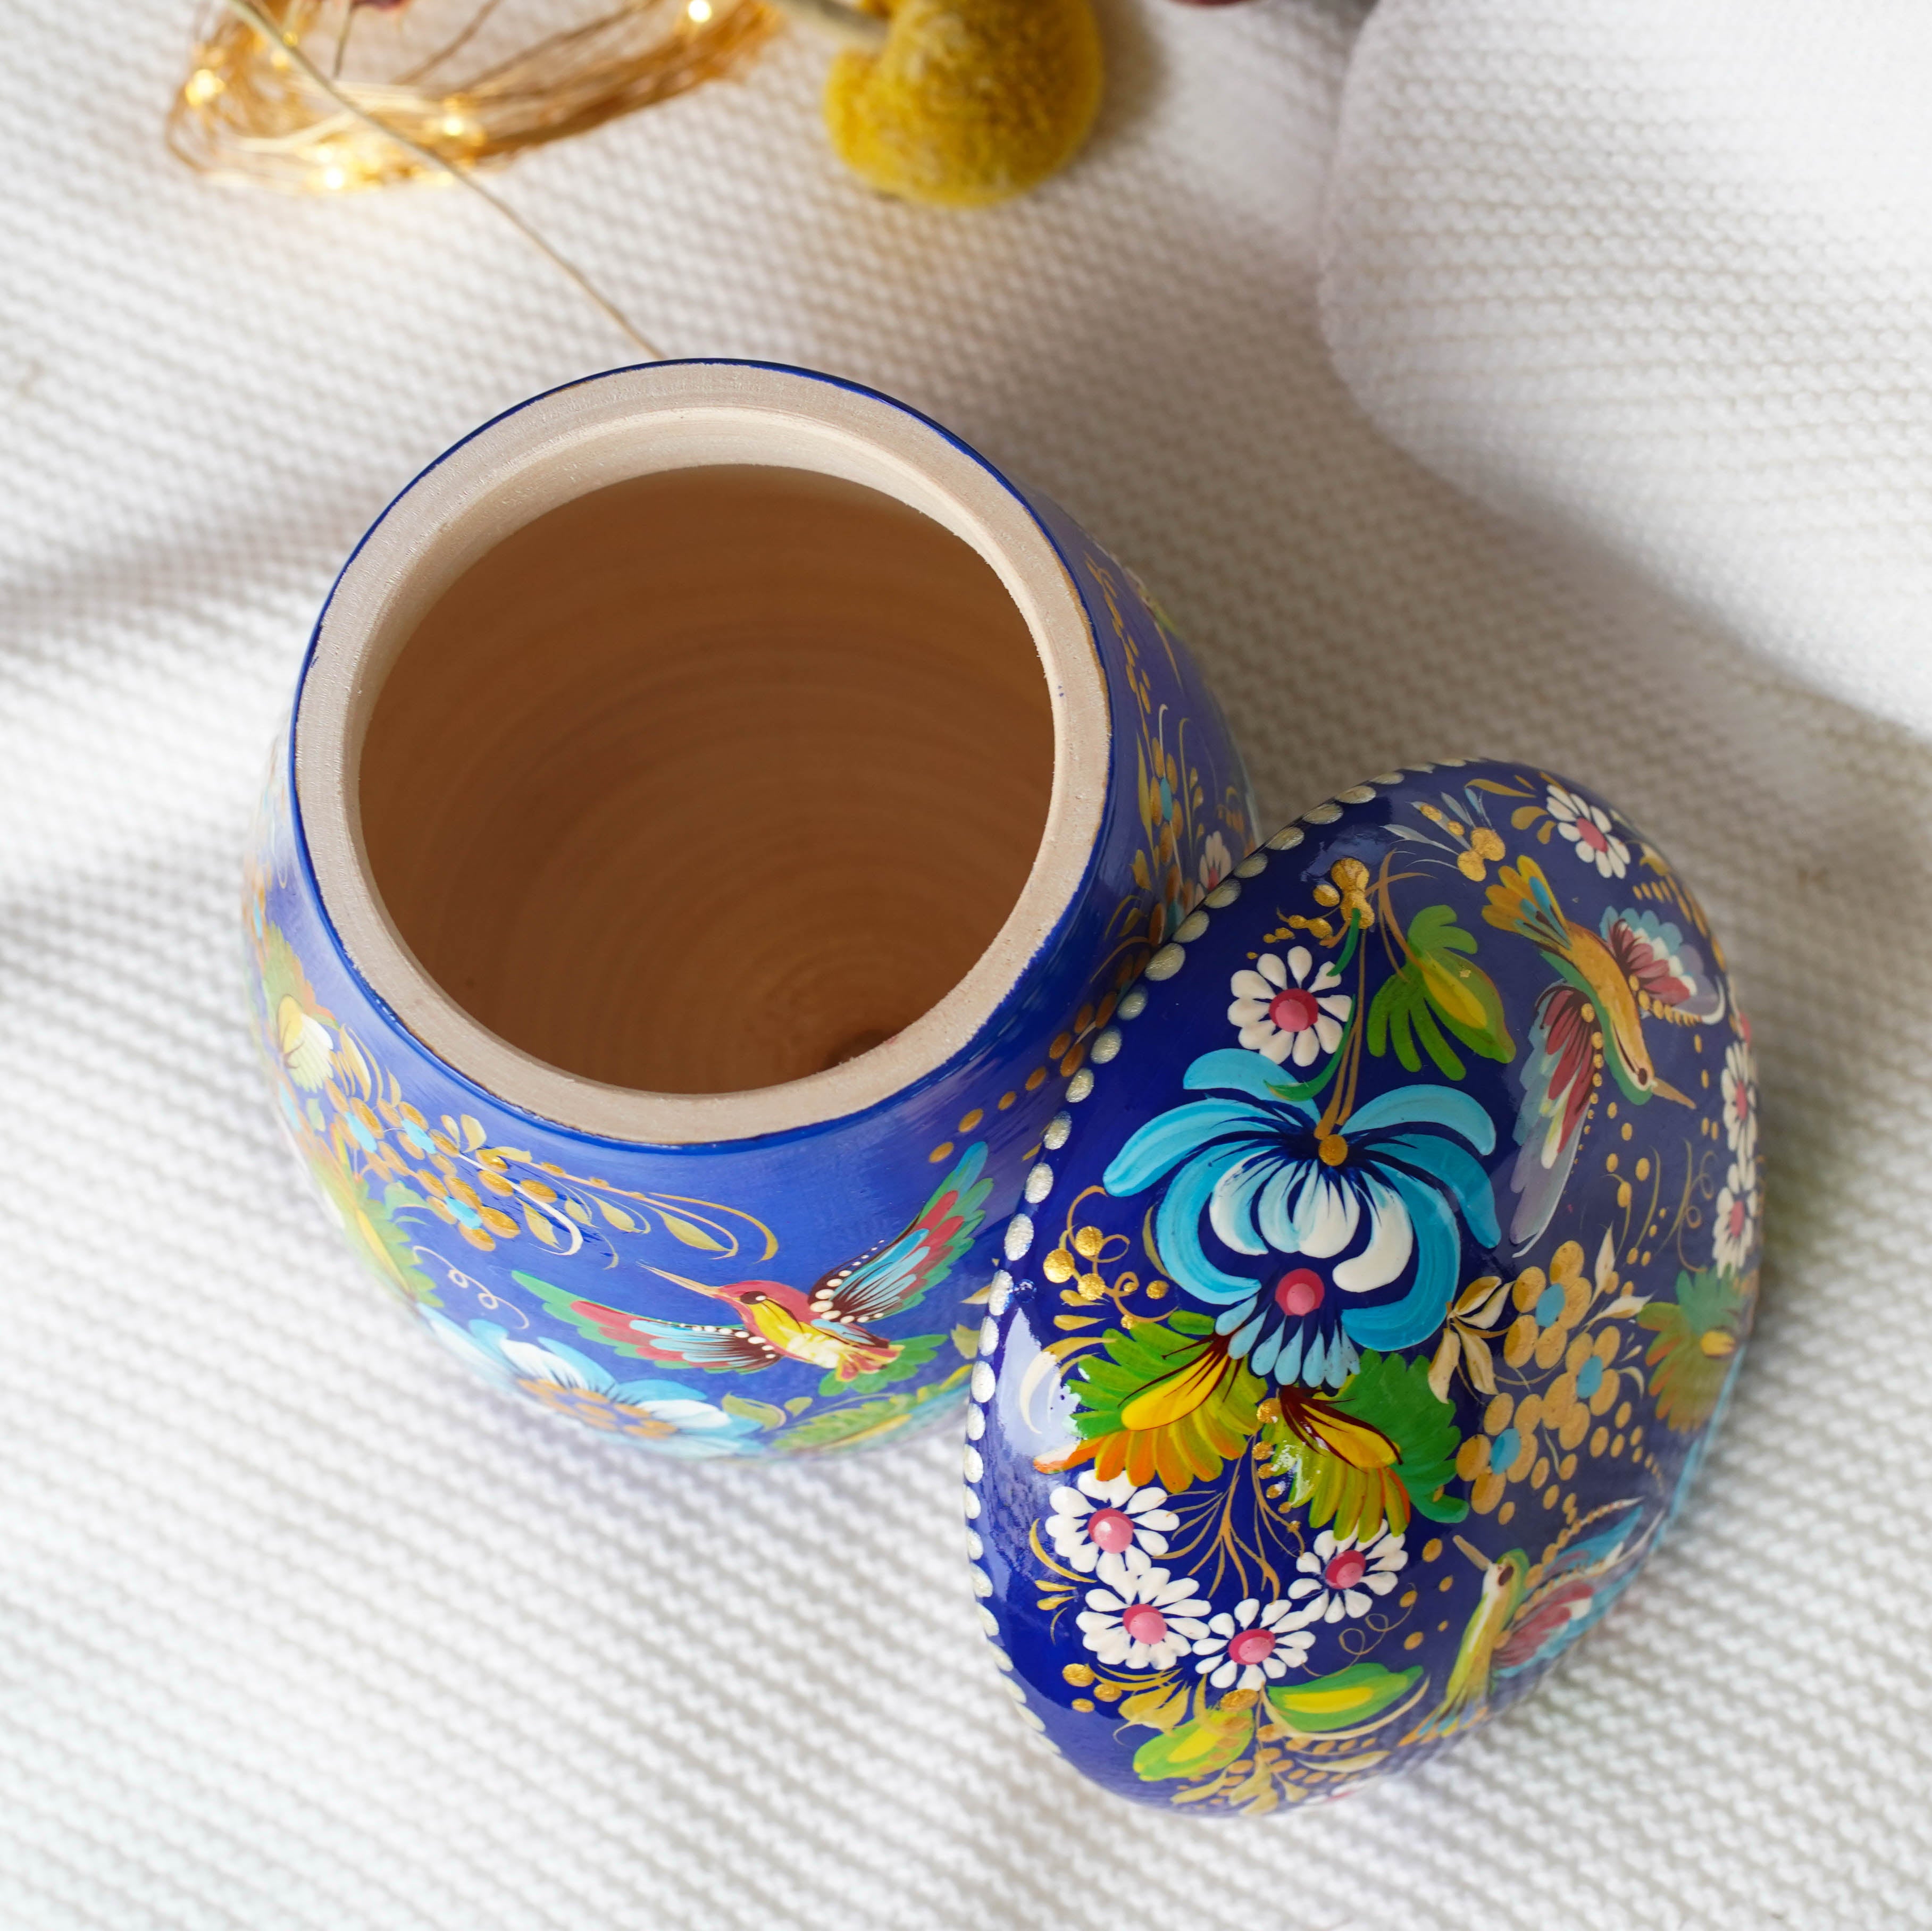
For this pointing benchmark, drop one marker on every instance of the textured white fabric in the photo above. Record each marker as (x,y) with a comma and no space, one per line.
(299,1627)
(1661,275)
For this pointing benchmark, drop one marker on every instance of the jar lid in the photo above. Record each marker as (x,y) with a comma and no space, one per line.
(1373,1296)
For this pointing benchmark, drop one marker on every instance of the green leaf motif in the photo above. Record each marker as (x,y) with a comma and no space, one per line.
(1350,1697)
(1162,1402)
(1698,1335)
(1136,1358)
(1438,981)
(862,1421)
(1392,1393)
(1365,1458)
(1203,1748)
(765,1415)
(915,1352)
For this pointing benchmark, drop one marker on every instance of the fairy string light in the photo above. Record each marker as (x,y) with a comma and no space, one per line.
(249,12)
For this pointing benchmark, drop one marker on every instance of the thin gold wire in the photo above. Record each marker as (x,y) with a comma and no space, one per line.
(249,112)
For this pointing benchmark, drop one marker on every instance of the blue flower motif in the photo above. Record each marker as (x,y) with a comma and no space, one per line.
(659,1415)
(1376,1202)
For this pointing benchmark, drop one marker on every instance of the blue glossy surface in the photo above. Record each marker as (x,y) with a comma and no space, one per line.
(530,1248)
(1374,1300)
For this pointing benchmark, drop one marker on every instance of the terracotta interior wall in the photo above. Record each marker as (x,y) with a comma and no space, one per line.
(710,779)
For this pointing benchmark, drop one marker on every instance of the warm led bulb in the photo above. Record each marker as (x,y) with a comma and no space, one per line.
(699,10)
(333,178)
(203,85)
(455,126)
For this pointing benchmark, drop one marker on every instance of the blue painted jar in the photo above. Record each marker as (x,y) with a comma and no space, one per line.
(719,816)
(1374,1302)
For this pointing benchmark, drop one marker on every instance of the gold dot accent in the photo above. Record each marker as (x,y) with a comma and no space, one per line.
(1616,1448)
(1078,1674)
(1432,1548)
(1093,1286)
(1406,1599)
(1440,1626)
(1333,1149)
(1412,1640)
(1007,1100)
(1540,1473)
(1623,1415)
(1507,1510)
(1550,1495)
(1600,1442)
(972,1119)
(1088,1242)
(1627,1133)
(943,1151)
(1495,1416)
(1109,1692)
(1447,1582)
(1058,1266)
(1566,1467)
(1036,1079)
(1610,1111)
(1609,1163)
(1085,1704)
(1643,1168)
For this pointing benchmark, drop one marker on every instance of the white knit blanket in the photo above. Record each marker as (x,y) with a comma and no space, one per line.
(300,1628)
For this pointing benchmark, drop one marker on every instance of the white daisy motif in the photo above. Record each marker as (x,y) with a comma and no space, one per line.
(1283,1013)
(1735,1229)
(1339,1579)
(1097,1519)
(1740,1084)
(1246,1650)
(1216,861)
(1140,1617)
(1589,829)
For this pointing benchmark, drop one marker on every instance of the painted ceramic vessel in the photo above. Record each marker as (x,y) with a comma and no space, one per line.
(1371,1308)
(719,815)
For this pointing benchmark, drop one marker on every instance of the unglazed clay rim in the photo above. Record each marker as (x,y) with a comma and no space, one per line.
(605,429)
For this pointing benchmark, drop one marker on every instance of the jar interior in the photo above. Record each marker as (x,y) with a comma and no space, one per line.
(710,779)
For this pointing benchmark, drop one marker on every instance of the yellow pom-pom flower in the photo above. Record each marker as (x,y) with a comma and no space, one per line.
(969,101)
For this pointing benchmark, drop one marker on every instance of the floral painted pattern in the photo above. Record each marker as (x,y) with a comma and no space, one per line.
(1251,1645)
(564,1381)
(1093,1518)
(1287,1009)
(1141,1618)
(1333,1392)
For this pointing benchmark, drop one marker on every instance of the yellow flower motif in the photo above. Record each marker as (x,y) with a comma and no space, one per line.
(1549,1306)
(452,1198)
(1537,1435)
(1344,892)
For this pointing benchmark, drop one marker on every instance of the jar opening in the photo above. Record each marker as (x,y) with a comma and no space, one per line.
(702,751)
(709,779)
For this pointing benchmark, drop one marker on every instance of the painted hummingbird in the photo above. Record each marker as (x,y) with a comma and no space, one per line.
(1635,964)
(1525,1616)
(827,1326)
